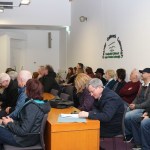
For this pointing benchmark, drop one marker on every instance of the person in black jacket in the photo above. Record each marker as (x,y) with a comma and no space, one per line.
(48,80)
(99,74)
(9,96)
(110,75)
(120,82)
(108,108)
(19,132)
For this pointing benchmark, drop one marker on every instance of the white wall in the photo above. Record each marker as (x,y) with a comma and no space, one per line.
(129,20)
(63,49)
(18,55)
(36,51)
(4,52)
(39,12)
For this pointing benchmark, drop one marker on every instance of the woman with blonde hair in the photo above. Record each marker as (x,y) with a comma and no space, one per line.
(110,75)
(85,99)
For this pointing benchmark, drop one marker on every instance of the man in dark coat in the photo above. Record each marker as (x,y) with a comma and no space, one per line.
(9,96)
(108,108)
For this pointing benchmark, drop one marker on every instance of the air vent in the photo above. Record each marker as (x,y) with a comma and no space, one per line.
(6,5)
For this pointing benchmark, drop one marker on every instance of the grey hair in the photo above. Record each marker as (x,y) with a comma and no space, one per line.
(95,82)
(13,74)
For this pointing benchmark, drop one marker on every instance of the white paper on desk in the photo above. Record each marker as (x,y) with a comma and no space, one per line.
(69,115)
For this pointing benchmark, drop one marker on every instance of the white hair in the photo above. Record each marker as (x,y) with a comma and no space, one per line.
(4,77)
(25,75)
(136,73)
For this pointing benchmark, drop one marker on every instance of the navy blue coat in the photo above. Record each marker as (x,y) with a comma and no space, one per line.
(110,84)
(109,110)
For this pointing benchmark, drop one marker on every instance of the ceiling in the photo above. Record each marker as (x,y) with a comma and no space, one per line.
(27,27)
(32,27)
(15,2)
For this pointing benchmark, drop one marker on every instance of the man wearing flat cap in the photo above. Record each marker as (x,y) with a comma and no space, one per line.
(134,122)
(99,74)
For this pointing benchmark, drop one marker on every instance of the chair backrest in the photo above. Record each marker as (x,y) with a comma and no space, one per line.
(64,96)
(42,131)
(54,92)
(69,90)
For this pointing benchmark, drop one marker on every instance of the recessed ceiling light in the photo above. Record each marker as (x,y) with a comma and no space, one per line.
(25,2)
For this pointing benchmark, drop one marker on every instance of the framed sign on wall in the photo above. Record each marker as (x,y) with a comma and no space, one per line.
(112,48)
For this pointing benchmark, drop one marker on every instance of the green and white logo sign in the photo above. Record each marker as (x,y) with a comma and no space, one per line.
(112,48)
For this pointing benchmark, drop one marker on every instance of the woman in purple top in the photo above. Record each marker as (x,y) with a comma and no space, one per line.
(85,99)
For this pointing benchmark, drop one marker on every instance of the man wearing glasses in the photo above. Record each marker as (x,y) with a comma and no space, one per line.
(108,107)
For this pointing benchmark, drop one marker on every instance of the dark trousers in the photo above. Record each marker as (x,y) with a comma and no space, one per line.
(6,137)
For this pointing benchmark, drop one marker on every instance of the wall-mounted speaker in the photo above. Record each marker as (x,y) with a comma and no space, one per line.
(49,40)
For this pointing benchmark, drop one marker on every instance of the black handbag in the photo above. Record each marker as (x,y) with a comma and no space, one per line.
(60,103)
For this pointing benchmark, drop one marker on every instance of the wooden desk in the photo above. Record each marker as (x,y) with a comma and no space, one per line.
(48,96)
(71,136)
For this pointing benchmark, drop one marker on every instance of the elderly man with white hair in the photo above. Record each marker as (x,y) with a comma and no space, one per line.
(22,79)
(131,88)
(9,95)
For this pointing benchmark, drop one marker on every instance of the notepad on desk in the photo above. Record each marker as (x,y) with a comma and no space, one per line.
(70,115)
(70,118)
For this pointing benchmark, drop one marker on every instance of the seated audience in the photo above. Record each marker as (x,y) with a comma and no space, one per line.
(143,139)
(99,74)
(22,79)
(50,71)
(48,80)
(89,72)
(80,68)
(9,69)
(41,71)
(136,109)
(107,107)
(35,75)
(24,131)
(72,78)
(110,75)
(69,74)
(74,70)
(9,95)
(120,82)
(77,71)
(85,99)
(13,75)
(131,88)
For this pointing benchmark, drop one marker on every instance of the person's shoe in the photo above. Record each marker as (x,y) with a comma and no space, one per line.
(137,147)
(128,138)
